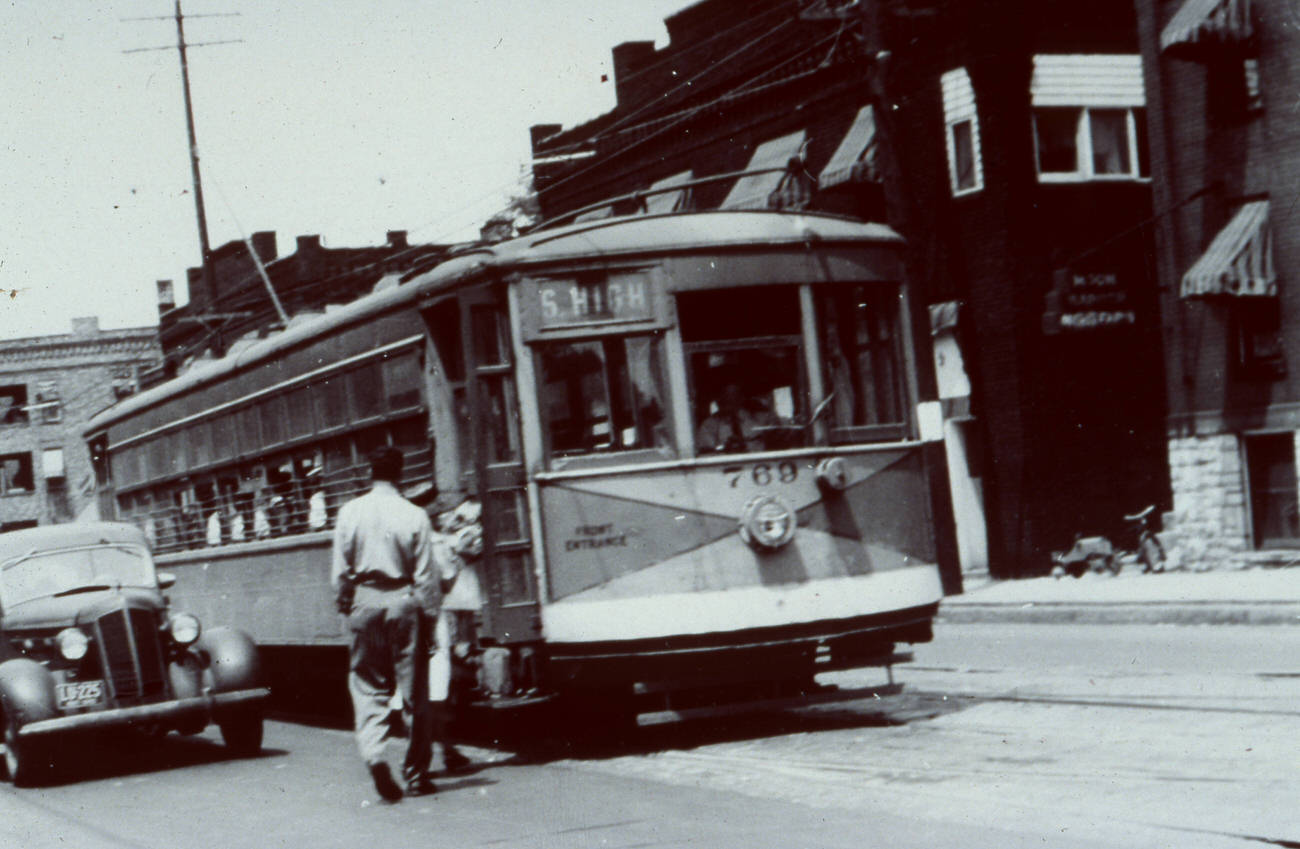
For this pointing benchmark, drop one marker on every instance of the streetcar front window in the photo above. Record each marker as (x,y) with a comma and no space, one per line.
(863,363)
(745,363)
(604,395)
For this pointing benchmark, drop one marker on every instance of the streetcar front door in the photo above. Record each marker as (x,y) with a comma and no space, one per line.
(511,610)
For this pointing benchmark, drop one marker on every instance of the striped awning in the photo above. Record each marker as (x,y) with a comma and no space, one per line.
(751,191)
(1240,259)
(855,158)
(669,201)
(1207,23)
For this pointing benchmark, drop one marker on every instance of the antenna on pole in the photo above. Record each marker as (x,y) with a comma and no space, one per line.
(209,272)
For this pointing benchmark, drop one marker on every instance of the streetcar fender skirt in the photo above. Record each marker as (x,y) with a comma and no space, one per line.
(164,712)
(595,619)
(750,654)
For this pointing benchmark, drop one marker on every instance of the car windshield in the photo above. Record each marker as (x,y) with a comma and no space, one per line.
(59,572)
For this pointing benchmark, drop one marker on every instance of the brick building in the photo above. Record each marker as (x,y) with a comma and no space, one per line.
(50,386)
(1223,77)
(1006,141)
(240,305)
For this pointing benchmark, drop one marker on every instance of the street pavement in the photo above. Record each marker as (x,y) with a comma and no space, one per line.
(310,790)
(1253,596)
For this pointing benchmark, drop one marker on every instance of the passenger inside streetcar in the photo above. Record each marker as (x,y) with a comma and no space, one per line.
(737,424)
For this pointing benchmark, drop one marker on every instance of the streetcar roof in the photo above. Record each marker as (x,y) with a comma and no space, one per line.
(644,235)
(75,535)
(691,231)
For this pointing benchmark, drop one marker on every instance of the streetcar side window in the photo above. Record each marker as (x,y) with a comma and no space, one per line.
(604,395)
(744,351)
(862,359)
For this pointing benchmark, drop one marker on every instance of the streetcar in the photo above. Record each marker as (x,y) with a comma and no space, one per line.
(693,438)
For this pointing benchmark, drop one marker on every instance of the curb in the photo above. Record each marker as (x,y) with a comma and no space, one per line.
(1148,613)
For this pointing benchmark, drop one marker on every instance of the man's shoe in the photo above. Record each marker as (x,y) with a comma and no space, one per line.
(384,783)
(422,786)
(453,760)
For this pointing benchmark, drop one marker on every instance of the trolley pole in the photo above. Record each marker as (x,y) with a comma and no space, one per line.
(205,247)
(209,273)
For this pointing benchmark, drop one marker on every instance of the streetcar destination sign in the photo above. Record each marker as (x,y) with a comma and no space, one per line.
(590,299)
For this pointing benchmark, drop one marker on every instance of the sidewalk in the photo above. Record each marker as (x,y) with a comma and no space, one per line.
(1256,596)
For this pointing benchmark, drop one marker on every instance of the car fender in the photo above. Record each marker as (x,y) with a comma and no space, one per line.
(186,675)
(26,691)
(230,660)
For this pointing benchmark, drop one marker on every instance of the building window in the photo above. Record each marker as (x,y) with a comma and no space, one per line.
(16,474)
(1270,464)
(13,404)
(48,406)
(52,466)
(962,136)
(1257,324)
(1090,144)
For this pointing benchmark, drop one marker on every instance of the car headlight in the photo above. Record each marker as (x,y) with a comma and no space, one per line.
(767,522)
(185,628)
(73,643)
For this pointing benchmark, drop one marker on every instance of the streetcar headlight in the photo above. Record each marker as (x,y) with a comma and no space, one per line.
(72,643)
(185,628)
(833,473)
(767,522)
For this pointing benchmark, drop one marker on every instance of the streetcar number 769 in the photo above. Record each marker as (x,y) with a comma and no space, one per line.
(762,474)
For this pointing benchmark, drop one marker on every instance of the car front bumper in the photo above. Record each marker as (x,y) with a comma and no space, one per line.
(206,706)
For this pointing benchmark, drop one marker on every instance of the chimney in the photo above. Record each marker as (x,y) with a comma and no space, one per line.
(397,239)
(264,244)
(200,297)
(630,57)
(166,297)
(308,257)
(85,327)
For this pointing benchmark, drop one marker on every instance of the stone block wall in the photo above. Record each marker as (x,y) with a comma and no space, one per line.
(1209,526)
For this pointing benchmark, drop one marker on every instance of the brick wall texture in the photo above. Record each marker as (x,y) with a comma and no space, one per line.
(84,367)
(1210,153)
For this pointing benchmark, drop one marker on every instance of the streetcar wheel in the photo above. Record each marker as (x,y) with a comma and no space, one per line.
(243,734)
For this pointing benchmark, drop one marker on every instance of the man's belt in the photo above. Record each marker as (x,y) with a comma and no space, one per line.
(380,581)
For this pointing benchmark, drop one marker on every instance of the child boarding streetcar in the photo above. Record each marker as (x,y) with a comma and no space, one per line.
(692,437)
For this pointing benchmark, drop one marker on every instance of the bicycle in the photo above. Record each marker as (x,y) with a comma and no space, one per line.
(1149,548)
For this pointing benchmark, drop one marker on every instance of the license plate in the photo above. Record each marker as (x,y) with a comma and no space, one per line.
(79,694)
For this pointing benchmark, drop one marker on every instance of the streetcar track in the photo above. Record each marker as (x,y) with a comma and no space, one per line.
(1086,702)
(805,770)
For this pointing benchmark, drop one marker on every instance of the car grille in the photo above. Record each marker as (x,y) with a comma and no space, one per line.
(131,655)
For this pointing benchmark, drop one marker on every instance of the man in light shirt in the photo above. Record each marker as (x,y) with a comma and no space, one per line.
(388,586)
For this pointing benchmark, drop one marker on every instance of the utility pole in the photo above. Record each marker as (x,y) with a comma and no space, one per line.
(208,270)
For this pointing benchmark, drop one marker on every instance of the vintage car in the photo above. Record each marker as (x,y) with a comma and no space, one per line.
(87,643)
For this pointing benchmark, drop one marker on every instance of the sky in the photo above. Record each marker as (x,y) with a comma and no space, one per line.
(338,119)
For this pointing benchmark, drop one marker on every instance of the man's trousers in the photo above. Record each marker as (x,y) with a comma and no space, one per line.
(390,654)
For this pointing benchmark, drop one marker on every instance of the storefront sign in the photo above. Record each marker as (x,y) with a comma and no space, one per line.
(1087,301)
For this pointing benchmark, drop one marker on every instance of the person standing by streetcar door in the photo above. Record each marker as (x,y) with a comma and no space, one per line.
(384,574)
